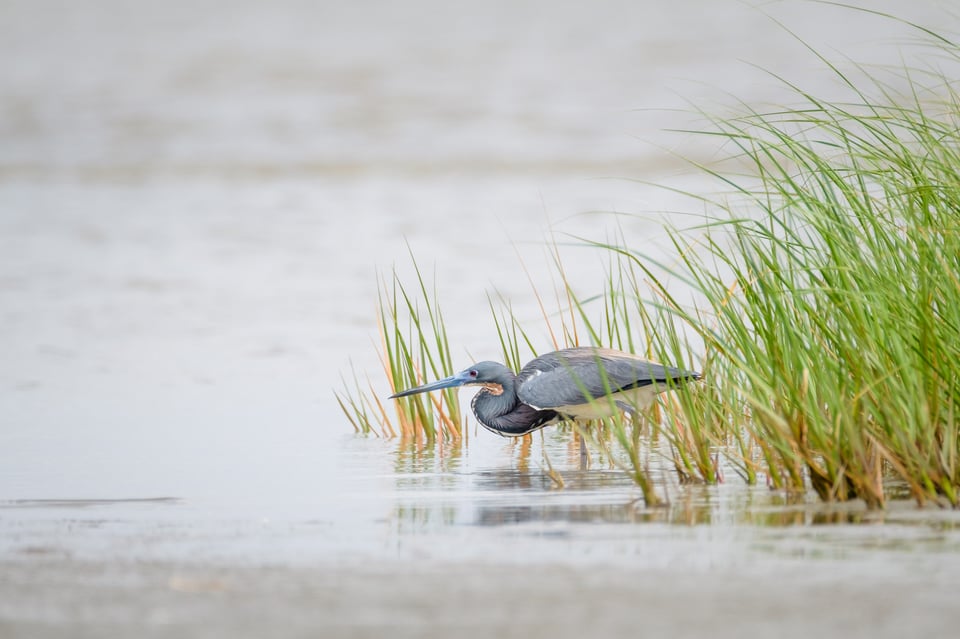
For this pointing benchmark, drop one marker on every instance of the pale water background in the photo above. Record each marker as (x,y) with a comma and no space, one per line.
(196,199)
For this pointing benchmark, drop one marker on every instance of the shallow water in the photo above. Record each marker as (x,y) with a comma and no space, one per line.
(195,199)
(384,500)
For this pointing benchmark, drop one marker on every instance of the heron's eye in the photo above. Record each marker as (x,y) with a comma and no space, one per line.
(473,374)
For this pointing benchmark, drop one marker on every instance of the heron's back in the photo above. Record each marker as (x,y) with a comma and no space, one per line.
(569,380)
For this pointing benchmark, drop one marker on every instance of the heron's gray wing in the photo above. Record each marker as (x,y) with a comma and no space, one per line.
(573,377)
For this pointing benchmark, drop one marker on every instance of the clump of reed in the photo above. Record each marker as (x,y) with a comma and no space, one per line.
(830,312)
(413,349)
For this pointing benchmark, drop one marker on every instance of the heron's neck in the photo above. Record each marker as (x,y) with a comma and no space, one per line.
(490,403)
(504,414)
(496,400)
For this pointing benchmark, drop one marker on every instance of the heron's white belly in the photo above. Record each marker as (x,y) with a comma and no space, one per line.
(608,406)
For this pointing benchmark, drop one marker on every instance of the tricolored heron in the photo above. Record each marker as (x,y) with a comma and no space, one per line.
(575,383)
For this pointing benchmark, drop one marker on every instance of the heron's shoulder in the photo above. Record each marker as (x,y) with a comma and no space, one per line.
(559,378)
(572,357)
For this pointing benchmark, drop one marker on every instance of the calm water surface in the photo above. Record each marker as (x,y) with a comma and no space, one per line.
(196,198)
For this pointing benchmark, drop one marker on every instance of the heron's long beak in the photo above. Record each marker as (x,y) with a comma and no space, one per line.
(448,382)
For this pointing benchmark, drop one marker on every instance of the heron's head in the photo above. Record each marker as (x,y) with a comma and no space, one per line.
(490,375)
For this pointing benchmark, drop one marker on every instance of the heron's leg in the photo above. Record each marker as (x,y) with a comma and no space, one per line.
(584,455)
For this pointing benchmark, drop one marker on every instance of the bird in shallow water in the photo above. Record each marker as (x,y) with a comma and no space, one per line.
(574,383)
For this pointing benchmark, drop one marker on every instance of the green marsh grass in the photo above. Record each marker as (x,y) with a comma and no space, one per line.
(413,349)
(831,312)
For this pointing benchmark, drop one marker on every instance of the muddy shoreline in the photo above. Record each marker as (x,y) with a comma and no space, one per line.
(57,597)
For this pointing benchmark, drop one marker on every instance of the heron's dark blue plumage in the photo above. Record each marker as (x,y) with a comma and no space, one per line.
(568,384)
